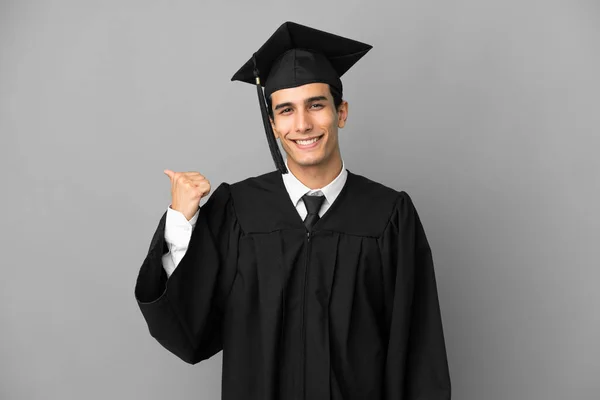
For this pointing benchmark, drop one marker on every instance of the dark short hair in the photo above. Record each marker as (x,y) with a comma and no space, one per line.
(336,94)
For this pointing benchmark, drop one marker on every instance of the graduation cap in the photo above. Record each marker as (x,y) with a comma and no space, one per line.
(296,55)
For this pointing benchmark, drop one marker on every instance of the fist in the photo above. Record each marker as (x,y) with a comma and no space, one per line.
(187,188)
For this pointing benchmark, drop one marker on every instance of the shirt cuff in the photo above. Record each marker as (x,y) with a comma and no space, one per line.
(178,229)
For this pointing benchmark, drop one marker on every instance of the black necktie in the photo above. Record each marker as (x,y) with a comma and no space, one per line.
(313,205)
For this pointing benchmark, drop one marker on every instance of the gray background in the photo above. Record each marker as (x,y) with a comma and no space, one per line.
(485,112)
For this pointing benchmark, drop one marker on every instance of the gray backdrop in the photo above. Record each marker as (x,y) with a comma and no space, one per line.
(485,112)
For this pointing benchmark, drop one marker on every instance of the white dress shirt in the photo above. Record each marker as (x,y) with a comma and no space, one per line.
(178,230)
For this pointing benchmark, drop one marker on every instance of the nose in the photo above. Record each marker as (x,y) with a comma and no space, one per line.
(303,122)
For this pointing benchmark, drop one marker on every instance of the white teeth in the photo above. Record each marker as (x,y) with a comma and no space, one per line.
(305,142)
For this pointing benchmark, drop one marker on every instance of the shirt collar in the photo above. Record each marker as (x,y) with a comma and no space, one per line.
(297,189)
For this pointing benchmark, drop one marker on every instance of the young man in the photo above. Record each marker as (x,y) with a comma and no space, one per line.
(317,283)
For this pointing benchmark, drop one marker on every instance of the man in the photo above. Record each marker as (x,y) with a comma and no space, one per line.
(317,283)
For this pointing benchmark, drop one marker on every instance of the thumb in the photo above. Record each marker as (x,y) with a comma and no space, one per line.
(169,173)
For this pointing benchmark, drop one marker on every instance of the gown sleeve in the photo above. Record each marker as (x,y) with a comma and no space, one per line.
(184,311)
(416,362)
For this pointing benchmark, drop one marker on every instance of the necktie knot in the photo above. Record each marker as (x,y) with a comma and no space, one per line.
(313,205)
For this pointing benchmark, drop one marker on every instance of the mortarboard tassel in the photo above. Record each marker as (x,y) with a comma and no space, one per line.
(275,153)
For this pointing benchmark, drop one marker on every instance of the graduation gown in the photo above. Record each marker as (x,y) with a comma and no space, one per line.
(347,311)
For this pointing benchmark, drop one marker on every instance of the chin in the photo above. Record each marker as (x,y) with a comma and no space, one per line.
(308,161)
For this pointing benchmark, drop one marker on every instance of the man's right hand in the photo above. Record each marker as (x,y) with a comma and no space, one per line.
(187,188)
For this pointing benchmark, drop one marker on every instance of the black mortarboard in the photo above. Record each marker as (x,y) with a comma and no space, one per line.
(294,56)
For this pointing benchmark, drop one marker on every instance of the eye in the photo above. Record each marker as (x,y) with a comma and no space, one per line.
(285,110)
(318,105)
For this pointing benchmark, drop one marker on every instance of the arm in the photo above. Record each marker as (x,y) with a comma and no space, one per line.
(178,231)
(416,362)
(184,312)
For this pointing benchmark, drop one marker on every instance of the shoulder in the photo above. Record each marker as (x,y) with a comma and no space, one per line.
(258,182)
(248,200)
(376,195)
(246,186)
(389,206)
(252,185)
(376,191)
(256,199)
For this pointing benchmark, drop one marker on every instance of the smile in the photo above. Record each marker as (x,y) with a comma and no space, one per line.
(304,144)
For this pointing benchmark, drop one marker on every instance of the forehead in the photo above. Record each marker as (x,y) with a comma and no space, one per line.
(300,93)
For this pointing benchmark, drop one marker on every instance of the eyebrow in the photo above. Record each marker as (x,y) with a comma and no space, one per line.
(309,100)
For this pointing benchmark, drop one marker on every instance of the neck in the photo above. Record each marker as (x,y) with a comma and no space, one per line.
(316,176)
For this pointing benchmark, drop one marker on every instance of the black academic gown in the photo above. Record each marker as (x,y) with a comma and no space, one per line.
(349,311)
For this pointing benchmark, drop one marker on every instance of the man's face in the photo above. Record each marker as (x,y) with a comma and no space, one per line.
(308,112)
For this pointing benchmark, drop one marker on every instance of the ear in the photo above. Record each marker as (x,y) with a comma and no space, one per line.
(342,113)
